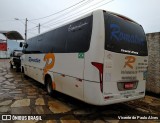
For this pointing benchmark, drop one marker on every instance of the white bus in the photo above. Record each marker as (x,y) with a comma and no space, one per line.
(100,58)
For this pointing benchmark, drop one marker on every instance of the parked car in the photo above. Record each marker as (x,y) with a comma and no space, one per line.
(15,59)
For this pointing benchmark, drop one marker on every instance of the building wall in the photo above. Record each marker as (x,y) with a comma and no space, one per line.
(11,45)
(153,80)
(4,54)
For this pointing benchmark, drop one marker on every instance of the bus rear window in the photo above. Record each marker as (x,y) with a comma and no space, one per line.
(124,36)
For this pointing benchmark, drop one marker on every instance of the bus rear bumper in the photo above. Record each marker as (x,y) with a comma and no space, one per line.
(95,97)
(120,100)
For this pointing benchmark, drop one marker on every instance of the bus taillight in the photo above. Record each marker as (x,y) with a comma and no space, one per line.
(99,66)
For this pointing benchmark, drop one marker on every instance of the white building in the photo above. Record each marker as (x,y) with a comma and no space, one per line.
(12,44)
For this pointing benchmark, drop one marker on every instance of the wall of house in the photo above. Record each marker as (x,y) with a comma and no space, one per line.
(11,45)
(153,80)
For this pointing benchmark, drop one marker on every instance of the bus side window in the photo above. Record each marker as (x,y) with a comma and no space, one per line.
(80,40)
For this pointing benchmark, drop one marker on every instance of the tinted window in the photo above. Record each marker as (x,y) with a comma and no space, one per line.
(32,46)
(71,38)
(79,35)
(123,36)
(53,41)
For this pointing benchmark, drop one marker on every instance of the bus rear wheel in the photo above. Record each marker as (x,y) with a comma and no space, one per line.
(11,66)
(23,73)
(49,87)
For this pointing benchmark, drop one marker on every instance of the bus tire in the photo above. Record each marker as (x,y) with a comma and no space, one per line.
(49,87)
(25,76)
(17,68)
(11,66)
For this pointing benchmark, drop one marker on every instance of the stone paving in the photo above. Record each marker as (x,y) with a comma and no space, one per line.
(26,96)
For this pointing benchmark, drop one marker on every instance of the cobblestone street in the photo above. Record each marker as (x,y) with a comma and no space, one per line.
(26,96)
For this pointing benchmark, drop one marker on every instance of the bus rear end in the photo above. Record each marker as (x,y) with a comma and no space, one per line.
(125,60)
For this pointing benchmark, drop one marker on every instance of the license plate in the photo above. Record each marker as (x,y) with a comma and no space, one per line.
(128,85)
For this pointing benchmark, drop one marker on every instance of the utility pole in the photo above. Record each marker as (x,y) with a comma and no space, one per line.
(25,33)
(26,30)
(39,28)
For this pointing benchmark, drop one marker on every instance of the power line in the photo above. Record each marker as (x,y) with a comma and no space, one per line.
(57,22)
(76,12)
(68,12)
(22,22)
(32,22)
(32,33)
(42,25)
(66,18)
(34,28)
(57,12)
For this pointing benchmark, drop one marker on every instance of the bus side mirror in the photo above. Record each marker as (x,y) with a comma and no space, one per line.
(25,45)
(11,55)
(20,44)
(23,51)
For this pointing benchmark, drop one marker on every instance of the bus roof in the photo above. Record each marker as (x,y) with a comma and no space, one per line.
(119,15)
(122,16)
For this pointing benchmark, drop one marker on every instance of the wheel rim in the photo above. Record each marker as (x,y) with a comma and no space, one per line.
(49,89)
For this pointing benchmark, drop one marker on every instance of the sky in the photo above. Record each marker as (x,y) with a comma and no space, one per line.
(52,13)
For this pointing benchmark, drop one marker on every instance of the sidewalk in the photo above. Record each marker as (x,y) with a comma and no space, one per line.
(149,104)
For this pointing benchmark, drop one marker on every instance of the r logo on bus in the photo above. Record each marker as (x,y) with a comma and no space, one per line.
(48,65)
(130,61)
